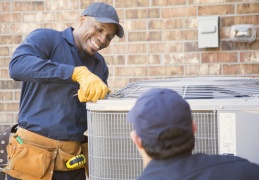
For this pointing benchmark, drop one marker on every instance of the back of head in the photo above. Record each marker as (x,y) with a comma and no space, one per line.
(163,121)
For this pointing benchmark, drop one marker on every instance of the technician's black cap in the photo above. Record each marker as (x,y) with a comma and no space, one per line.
(104,13)
(157,110)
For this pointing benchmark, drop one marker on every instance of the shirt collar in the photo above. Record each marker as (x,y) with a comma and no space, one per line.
(173,159)
(68,35)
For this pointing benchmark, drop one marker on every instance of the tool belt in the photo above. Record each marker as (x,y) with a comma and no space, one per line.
(38,156)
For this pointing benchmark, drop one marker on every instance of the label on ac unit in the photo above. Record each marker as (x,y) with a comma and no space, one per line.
(227,133)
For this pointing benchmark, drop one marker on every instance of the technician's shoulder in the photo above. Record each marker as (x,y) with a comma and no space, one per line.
(223,167)
(46,30)
(44,33)
(217,159)
(240,169)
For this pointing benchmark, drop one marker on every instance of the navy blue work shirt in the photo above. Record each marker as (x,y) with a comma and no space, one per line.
(201,167)
(45,61)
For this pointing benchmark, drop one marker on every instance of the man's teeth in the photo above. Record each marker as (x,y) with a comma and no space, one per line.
(95,44)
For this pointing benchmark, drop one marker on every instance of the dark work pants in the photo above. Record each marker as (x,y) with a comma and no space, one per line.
(78,174)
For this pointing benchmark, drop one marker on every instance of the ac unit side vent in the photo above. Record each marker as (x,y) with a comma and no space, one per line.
(206,136)
(111,149)
(111,152)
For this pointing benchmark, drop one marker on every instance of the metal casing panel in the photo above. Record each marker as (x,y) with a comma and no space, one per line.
(110,145)
(238,132)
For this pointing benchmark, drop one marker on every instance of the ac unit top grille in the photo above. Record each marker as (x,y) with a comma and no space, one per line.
(198,87)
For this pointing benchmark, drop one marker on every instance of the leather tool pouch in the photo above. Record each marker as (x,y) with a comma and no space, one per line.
(26,161)
(29,161)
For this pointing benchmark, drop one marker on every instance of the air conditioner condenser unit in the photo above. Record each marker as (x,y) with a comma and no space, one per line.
(226,111)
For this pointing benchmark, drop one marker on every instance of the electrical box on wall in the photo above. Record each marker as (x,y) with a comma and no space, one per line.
(208,34)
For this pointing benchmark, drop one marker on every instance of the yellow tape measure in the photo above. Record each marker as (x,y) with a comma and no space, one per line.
(76,161)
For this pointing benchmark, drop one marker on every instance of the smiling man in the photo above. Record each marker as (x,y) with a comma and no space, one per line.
(60,71)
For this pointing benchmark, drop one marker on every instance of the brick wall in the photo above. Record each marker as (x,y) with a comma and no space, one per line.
(160,40)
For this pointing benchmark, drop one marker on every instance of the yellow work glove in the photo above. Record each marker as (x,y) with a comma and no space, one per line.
(91,87)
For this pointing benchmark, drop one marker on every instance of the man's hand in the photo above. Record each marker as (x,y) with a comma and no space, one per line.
(91,88)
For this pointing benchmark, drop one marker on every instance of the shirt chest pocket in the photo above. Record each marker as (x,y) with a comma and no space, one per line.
(61,93)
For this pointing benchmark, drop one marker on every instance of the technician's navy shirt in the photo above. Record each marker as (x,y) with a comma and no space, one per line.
(45,61)
(201,167)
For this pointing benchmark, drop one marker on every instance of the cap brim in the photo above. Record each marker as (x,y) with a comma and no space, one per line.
(120,30)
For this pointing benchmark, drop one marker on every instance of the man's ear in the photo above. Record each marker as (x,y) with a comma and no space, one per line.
(82,19)
(136,139)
